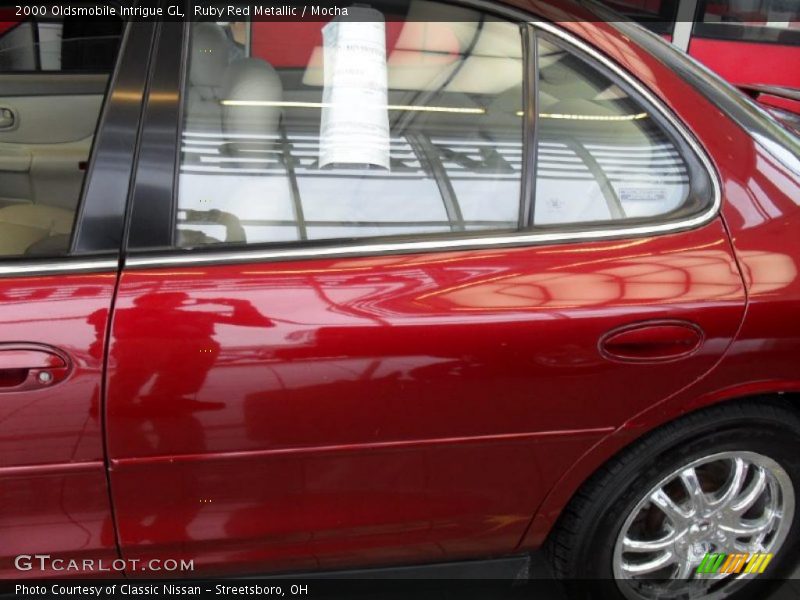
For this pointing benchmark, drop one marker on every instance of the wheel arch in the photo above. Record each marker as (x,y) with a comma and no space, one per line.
(636,430)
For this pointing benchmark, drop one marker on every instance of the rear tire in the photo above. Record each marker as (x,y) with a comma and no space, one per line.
(597,546)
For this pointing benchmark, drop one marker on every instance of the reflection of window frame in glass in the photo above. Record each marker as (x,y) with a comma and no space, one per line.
(28,27)
(45,32)
(430,160)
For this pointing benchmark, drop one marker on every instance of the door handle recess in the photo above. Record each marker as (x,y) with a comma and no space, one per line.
(30,366)
(7,118)
(652,341)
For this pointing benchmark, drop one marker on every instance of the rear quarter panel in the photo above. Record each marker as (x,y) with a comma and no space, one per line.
(761,211)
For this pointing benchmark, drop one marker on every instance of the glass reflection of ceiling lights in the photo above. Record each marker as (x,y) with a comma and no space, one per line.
(406,107)
(440,109)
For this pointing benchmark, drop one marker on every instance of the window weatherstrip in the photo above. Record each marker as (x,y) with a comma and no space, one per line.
(378,248)
(63,266)
(183,78)
(530,139)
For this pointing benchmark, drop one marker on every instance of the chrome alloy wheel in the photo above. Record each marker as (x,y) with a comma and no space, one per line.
(731,502)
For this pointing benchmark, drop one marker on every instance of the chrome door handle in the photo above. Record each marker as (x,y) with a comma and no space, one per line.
(8,118)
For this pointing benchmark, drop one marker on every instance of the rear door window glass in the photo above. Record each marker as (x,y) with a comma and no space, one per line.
(386,123)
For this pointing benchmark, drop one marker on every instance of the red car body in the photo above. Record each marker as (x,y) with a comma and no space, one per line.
(396,409)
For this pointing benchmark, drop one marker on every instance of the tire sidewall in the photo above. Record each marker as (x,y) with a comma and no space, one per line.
(765,437)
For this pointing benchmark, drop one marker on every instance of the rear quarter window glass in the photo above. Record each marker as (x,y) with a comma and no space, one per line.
(603,154)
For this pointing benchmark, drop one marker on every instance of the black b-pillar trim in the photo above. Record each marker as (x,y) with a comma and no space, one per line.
(100,219)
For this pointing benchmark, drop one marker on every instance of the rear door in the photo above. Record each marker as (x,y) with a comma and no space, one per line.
(348,338)
(60,235)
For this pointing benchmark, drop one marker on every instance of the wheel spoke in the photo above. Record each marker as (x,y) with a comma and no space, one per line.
(657,545)
(752,547)
(659,562)
(752,493)
(734,485)
(750,527)
(696,495)
(668,506)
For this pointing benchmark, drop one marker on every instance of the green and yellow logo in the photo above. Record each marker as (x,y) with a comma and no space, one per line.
(734,563)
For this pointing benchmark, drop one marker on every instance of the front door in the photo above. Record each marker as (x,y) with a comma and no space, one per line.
(55,296)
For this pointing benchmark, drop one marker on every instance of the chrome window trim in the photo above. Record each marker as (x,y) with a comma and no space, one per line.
(522,238)
(65,265)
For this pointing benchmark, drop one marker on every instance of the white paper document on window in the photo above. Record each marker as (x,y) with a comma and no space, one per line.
(355,121)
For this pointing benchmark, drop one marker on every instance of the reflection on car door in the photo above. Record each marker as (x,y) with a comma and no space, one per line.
(53,497)
(396,408)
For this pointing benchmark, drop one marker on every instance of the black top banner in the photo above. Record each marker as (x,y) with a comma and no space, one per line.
(324,10)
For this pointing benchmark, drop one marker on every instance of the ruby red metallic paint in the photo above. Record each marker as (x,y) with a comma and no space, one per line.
(394,409)
(53,484)
(508,371)
(379,410)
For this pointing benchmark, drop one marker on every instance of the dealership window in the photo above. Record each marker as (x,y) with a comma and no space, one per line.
(657,15)
(603,155)
(375,124)
(53,81)
(72,44)
(772,21)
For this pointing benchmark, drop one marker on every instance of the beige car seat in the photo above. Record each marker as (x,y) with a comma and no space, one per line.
(23,225)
